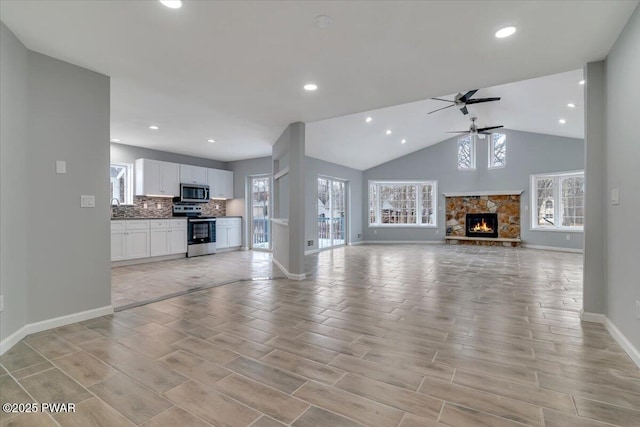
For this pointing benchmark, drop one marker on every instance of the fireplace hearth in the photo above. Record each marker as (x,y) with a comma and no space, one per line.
(481,225)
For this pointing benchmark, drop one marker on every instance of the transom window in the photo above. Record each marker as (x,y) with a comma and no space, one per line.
(402,204)
(497,150)
(467,153)
(121,182)
(557,201)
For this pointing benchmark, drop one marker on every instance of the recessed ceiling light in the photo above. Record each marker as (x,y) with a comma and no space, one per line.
(115,140)
(323,21)
(581,82)
(505,32)
(172,4)
(310,87)
(571,105)
(154,127)
(211,140)
(388,132)
(368,119)
(562,121)
(403,141)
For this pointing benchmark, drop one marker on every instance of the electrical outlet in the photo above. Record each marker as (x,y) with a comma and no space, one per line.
(309,242)
(1,303)
(359,236)
(638,309)
(568,236)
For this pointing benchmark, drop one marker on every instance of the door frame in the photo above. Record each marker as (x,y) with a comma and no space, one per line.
(347,211)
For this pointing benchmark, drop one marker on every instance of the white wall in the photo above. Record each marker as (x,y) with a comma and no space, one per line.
(13,176)
(55,255)
(623,172)
(527,153)
(129,153)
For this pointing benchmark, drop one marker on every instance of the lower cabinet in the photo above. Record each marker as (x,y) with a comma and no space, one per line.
(168,237)
(147,238)
(228,233)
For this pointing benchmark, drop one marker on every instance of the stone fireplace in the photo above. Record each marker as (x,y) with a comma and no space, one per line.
(483,218)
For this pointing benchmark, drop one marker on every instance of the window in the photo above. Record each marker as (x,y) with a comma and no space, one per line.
(557,201)
(402,204)
(121,180)
(497,150)
(467,153)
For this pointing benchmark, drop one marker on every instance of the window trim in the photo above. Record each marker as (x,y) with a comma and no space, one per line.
(472,153)
(491,152)
(434,200)
(129,182)
(533,225)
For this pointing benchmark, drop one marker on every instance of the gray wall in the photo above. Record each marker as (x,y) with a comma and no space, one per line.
(13,176)
(315,167)
(623,172)
(129,153)
(527,153)
(595,231)
(55,255)
(69,255)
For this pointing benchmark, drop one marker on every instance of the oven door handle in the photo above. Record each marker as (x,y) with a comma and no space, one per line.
(202,220)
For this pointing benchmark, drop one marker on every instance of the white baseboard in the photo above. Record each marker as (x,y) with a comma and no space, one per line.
(626,345)
(355,243)
(403,242)
(633,352)
(56,322)
(552,248)
(593,317)
(311,251)
(290,276)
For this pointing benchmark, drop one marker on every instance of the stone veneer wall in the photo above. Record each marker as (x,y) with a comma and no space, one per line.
(506,206)
(161,207)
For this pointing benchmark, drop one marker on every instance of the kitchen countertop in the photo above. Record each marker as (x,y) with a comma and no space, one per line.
(170,217)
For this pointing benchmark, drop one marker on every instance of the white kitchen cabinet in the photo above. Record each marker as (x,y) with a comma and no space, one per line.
(193,175)
(129,240)
(228,233)
(168,237)
(157,178)
(220,183)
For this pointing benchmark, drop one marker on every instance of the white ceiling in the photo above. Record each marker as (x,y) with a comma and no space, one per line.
(534,105)
(234,70)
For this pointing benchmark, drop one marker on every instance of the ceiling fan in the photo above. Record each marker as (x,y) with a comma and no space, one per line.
(461,101)
(474,130)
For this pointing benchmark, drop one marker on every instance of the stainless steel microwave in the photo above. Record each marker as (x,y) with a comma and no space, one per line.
(194,193)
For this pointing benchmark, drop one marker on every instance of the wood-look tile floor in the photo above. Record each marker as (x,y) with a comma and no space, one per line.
(378,336)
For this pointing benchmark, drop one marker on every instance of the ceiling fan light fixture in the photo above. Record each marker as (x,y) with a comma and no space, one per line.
(172,4)
(505,32)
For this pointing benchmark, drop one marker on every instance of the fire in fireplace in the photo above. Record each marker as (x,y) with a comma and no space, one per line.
(482,225)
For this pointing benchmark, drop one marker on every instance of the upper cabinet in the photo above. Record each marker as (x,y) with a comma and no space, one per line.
(193,175)
(220,184)
(157,178)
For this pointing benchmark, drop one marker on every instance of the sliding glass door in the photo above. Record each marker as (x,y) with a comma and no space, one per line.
(332,212)
(260,212)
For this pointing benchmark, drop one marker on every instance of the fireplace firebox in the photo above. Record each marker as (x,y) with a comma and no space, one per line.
(481,225)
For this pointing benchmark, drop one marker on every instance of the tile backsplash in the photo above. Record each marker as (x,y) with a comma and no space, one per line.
(161,207)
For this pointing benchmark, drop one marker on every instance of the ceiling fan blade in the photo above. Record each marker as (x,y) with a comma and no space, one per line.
(458,131)
(466,96)
(489,128)
(481,100)
(464,110)
(440,99)
(448,106)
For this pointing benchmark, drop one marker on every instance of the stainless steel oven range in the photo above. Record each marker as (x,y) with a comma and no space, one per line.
(201,230)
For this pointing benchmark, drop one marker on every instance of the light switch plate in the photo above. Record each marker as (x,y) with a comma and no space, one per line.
(87,201)
(61,166)
(615,196)
(1,302)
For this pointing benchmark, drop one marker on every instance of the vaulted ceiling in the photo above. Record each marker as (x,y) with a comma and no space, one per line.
(233,71)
